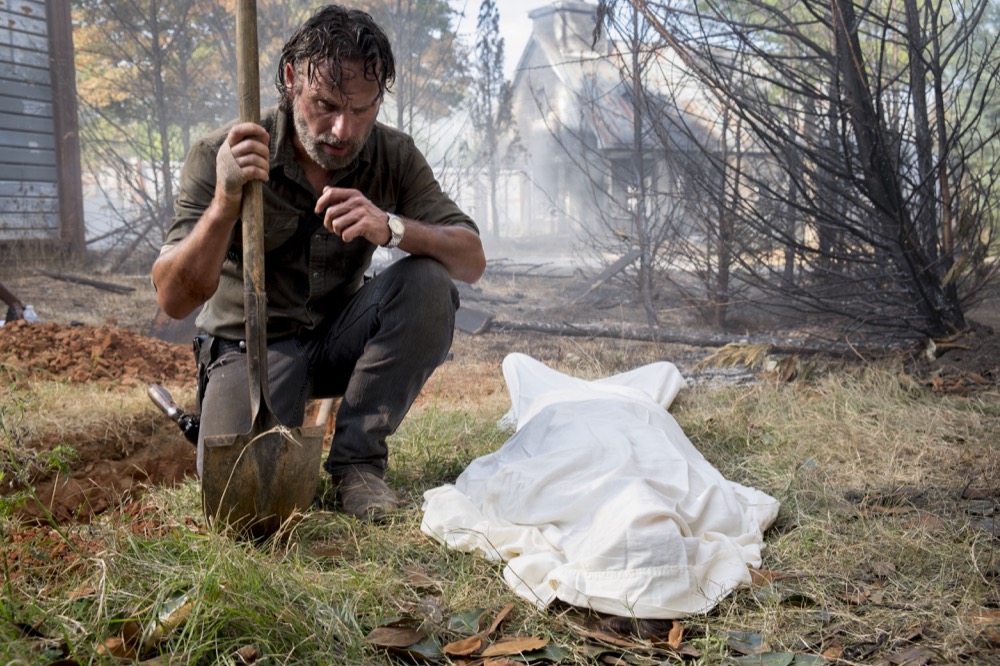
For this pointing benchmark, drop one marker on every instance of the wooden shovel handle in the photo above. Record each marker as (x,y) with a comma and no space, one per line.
(252,214)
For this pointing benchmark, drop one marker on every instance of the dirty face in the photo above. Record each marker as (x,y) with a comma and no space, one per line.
(332,122)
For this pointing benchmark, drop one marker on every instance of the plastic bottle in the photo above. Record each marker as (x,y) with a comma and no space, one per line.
(30,315)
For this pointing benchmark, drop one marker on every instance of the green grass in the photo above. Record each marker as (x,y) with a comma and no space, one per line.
(875,551)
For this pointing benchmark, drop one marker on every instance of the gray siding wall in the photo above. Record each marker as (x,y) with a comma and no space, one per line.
(29,201)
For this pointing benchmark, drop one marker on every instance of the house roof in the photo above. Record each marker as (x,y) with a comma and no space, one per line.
(561,49)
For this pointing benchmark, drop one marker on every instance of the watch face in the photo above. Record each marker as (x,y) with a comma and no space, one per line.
(396,225)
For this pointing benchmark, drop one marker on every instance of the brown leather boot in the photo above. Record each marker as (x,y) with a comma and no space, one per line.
(364,495)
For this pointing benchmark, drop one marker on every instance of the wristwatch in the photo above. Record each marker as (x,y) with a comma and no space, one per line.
(396,228)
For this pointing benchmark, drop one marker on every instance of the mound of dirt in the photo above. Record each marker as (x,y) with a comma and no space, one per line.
(92,354)
(110,461)
(105,470)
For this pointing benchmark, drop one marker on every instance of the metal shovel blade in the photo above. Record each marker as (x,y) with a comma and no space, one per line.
(258,480)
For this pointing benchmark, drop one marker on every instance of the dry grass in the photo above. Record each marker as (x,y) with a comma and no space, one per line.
(889,496)
(884,549)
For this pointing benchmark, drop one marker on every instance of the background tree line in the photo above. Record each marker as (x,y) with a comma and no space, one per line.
(154,74)
(844,169)
(850,168)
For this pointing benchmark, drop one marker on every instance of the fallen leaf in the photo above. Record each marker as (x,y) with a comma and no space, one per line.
(116,647)
(417,578)
(247,654)
(426,650)
(914,633)
(989,525)
(132,633)
(467,622)
(780,659)
(612,640)
(987,617)
(746,642)
(915,655)
(400,637)
(504,612)
(983,507)
(82,591)
(515,646)
(464,647)
(676,635)
(624,659)
(765,577)
(834,652)
(977,493)
(854,597)
(977,378)
(550,654)
(686,650)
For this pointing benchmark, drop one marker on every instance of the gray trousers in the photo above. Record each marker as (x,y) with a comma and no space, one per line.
(376,355)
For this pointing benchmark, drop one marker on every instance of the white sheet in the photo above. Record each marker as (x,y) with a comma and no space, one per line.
(600,500)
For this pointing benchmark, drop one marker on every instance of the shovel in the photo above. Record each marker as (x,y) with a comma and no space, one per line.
(256,481)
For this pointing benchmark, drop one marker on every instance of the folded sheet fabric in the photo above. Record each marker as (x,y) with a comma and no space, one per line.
(599,499)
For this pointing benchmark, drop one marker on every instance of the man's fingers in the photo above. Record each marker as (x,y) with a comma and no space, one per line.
(244,131)
(333,196)
(228,169)
(242,156)
(339,220)
(349,214)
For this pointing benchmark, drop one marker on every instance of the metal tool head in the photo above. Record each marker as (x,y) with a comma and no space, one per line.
(259,482)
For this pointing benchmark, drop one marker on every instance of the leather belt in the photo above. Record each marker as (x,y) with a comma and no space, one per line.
(223,347)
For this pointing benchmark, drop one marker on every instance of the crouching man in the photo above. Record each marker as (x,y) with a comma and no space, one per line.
(337,185)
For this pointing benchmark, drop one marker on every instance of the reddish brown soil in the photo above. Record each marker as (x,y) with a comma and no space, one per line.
(104,474)
(91,354)
(110,461)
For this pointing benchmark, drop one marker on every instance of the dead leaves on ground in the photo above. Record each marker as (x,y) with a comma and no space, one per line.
(432,636)
(779,369)
(136,639)
(957,382)
(411,639)
(615,640)
(623,641)
(833,642)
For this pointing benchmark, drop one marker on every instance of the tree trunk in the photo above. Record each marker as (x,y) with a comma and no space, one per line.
(926,201)
(641,223)
(941,314)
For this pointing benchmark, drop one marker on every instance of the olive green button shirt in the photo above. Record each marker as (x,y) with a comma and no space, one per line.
(309,273)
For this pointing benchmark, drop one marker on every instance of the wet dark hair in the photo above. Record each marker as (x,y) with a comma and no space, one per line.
(331,36)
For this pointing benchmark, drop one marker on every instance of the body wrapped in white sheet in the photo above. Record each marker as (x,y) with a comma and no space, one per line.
(600,500)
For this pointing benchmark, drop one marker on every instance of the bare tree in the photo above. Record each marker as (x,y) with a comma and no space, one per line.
(490,103)
(431,62)
(148,75)
(878,186)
